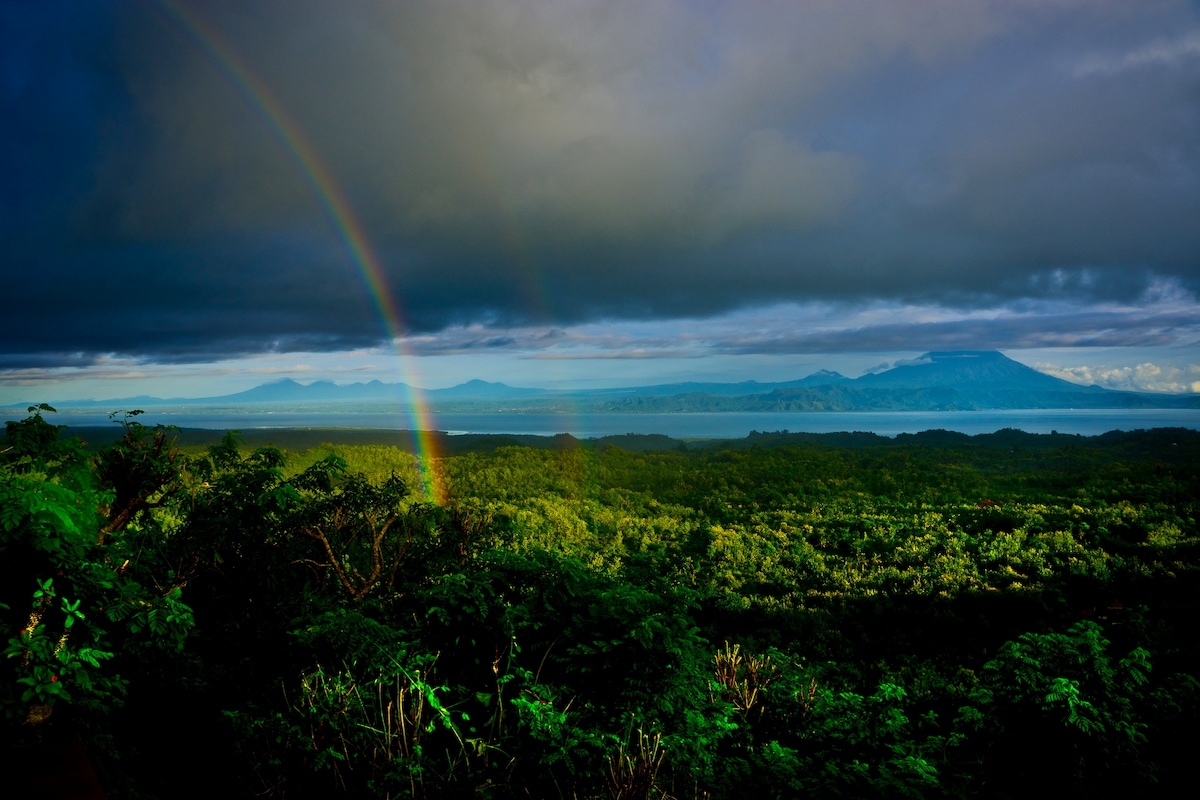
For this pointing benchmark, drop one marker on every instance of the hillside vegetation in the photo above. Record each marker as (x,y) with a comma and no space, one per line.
(933,616)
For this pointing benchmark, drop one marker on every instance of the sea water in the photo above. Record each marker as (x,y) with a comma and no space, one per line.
(725,425)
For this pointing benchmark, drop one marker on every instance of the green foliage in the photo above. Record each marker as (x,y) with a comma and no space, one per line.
(1068,700)
(95,591)
(889,619)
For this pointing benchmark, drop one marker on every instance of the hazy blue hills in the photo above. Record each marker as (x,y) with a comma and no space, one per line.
(976,370)
(938,381)
(288,391)
(962,380)
(744,388)
(478,389)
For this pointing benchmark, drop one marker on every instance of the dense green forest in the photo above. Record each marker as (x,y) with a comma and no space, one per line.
(784,616)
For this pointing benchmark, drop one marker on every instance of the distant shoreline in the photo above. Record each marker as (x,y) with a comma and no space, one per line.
(300,439)
(674,427)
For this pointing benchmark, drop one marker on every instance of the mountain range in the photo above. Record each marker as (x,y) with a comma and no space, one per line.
(951,380)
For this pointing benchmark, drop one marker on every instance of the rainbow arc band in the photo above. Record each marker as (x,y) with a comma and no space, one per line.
(327,191)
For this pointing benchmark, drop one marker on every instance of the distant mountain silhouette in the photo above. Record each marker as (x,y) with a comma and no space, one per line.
(960,380)
(477,389)
(820,378)
(949,380)
(290,391)
(975,369)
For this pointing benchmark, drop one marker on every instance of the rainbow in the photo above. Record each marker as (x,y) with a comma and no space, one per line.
(327,191)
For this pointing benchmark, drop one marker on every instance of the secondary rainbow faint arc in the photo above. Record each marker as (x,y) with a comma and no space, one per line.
(330,195)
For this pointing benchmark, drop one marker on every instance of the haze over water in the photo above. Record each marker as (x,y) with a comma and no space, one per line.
(1089,422)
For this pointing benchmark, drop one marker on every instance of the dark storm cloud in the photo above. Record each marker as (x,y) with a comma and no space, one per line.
(520,161)
(11,362)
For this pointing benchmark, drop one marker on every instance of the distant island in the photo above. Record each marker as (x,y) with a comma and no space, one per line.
(960,380)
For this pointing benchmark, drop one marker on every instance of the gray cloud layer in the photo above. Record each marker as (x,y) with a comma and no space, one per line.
(520,162)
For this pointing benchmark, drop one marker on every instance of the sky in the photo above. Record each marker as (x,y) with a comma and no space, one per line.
(198,197)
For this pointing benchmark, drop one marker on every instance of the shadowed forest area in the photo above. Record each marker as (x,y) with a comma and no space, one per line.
(788,615)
